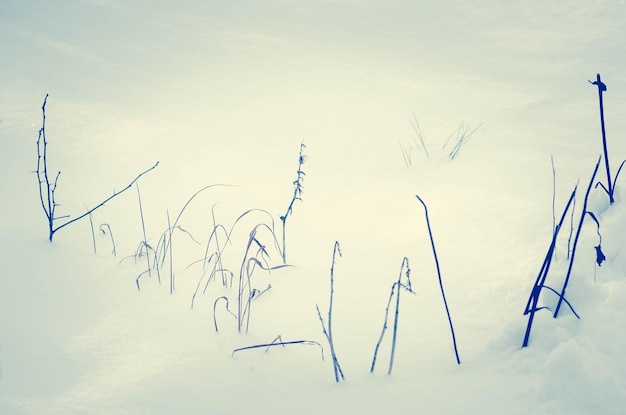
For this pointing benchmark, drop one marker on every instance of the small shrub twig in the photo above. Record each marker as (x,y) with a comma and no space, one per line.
(47,187)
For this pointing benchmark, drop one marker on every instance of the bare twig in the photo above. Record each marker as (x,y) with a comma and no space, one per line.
(47,188)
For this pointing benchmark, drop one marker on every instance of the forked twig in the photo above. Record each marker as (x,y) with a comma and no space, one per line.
(48,202)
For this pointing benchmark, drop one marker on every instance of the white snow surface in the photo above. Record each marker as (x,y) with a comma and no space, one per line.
(223,93)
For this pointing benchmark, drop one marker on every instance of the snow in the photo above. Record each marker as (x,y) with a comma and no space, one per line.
(224,93)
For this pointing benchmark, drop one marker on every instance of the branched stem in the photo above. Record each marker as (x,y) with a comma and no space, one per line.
(48,202)
(297,195)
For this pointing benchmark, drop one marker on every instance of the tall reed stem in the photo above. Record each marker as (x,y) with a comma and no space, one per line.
(602,88)
(443,294)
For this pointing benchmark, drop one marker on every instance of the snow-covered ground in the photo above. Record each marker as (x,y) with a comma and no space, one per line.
(224,93)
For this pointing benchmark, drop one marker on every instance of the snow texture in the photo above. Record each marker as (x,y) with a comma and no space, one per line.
(224,93)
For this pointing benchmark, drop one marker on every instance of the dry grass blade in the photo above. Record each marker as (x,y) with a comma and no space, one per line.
(279,342)
(395,289)
(328,333)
